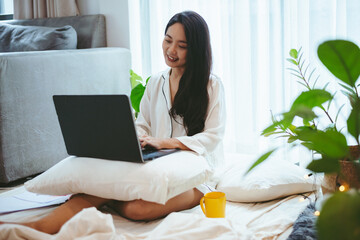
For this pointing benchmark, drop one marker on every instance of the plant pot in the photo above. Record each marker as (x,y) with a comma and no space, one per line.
(349,174)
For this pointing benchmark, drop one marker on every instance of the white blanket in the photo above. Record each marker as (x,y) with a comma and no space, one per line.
(268,220)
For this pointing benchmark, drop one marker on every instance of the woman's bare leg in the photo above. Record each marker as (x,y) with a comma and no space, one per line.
(52,223)
(141,210)
(138,210)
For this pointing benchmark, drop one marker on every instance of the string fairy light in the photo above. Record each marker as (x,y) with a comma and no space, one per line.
(342,188)
(301,199)
(307,176)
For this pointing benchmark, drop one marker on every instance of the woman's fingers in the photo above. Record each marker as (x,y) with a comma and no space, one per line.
(150,142)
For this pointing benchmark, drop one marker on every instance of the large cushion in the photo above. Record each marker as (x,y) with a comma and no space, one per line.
(90,29)
(33,38)
(272,179)
(156,181)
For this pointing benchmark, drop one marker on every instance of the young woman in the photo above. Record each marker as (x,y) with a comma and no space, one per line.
(182,107)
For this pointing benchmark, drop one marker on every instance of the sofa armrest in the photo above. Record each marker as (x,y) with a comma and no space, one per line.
(30,135)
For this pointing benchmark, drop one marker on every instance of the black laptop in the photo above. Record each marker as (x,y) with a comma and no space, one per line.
(101,126)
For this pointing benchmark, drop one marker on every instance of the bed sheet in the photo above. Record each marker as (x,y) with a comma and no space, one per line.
(248,221)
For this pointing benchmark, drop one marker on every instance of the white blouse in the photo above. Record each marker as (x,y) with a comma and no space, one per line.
(155,120)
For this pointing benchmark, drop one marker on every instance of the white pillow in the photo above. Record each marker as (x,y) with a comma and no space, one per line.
(270,180)
(156,181)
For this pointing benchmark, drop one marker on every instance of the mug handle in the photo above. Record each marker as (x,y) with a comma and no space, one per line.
(202,205)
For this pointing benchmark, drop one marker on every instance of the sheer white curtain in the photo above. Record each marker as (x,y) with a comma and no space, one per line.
(27,9)
(250,40)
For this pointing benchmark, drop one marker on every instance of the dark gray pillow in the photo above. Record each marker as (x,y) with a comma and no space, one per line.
(16,38)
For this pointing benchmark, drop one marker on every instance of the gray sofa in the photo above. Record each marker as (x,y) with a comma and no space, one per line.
(30,136)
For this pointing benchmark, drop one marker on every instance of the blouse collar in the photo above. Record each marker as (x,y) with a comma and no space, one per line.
(166,87)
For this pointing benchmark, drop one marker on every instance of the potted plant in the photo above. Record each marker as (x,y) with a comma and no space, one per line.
(138,86)
(340,214)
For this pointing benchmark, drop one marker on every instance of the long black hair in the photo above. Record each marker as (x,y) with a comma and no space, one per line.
(192,99)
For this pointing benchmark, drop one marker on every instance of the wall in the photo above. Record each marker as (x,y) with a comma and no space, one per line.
(117,19)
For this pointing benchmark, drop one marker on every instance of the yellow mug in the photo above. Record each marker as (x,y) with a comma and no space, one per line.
(214,204)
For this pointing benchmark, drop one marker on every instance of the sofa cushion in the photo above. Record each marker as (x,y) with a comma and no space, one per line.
(90,29)
(33,38)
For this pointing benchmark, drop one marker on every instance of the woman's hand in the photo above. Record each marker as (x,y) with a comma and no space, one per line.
(151,142)
(161,143)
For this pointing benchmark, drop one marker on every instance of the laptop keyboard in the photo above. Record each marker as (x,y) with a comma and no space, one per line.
(148,151)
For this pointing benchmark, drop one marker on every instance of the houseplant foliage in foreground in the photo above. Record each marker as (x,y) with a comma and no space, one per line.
(340,215)
(138,86)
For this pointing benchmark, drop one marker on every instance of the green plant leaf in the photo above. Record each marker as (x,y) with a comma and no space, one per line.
(342,58)
(260,160)
(353,98)
(345,92)
(337,115)
(326,85)
(136,94)
(287,120)
(292,61)
(306,122)
(325,165)
(351,90)
(294,53)
(301,55)
(301,129)
(302,64)
(353,122)
(312,72)
(283,136)
(339,217)
(301,83)
(294,70)
(296,75)
(270,129)
(316,81)
(292,139)
(312,98)
(307,67)
(134,79)
(329,103)
(301,111)
(308,145)
(292,127)
(272,133)
(331,143)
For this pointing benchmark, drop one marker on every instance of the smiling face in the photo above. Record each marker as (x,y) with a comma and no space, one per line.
(175,46)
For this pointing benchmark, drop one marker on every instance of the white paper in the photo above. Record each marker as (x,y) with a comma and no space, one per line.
(38,198)
(28,200)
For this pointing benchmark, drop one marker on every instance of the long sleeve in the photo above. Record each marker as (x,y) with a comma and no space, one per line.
(143,124)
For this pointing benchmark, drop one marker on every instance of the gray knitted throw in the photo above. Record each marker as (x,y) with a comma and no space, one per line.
(304,226)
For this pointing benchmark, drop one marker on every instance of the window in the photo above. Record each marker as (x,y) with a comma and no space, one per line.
(6,9)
